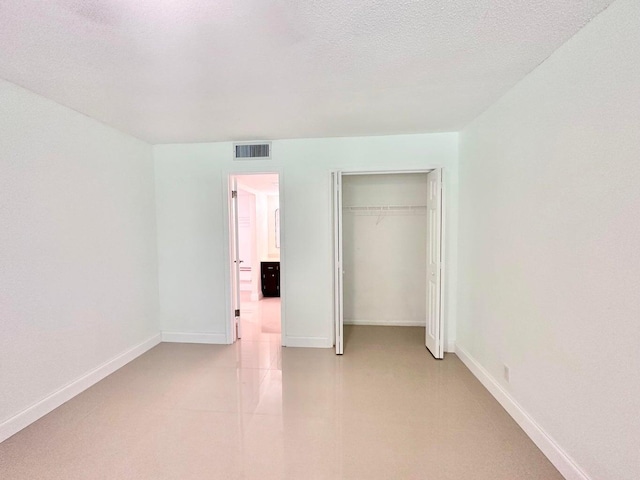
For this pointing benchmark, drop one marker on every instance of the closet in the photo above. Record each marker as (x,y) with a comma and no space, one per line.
(384,248)
(387,252)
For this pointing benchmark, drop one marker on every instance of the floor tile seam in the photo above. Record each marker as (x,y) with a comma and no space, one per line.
(166,411)
(263,377)
(229,367)
(226,412)
(292,415)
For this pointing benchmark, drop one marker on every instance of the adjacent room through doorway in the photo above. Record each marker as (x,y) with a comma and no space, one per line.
(255,259)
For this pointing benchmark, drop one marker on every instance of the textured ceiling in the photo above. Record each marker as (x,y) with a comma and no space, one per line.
(197,70)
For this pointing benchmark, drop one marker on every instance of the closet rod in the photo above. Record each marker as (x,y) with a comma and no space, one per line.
(387,210)
(384,207)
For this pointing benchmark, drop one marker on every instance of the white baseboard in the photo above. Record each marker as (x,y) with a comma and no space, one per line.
(384,323)
(310,342)
(188,337)
(556,455)
(38,410)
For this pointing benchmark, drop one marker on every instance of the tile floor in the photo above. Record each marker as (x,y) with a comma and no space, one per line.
(254,410)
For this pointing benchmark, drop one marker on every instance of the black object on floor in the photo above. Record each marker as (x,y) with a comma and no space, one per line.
(270,275)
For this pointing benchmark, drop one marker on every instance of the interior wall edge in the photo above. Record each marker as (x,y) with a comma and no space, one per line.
(450,346)
(549,447)
(158,311)
(55,399)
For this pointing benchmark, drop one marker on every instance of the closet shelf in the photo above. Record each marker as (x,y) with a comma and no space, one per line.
(386,209)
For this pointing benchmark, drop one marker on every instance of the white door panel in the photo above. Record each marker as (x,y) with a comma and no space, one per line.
(235,259)
(434,328)
(338,313)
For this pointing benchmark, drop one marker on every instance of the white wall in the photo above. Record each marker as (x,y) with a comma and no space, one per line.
(78,276)
(385,264)
(549,274)
(191,240)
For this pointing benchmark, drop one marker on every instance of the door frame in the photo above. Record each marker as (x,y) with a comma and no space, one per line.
(226,217)
(443,236)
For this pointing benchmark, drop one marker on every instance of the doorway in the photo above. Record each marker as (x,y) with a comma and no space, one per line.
(255,255)
(387,253)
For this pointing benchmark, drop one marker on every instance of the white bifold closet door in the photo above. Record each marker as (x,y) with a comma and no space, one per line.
(434,332)
(338,272)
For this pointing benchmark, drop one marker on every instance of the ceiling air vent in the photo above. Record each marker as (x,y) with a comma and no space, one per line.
(251,150)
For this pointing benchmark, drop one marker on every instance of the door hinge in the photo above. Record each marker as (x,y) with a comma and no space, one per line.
(237,312)
(234,193)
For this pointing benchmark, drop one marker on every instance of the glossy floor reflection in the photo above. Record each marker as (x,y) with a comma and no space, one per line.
(384,410)
(260,319)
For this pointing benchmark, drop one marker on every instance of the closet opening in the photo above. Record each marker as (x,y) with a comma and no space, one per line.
(387,255)
(254,246)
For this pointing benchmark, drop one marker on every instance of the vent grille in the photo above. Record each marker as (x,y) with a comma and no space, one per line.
(248,151)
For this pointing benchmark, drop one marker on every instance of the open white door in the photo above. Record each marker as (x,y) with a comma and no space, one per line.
(235,259)
(434,328)
(338,314)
